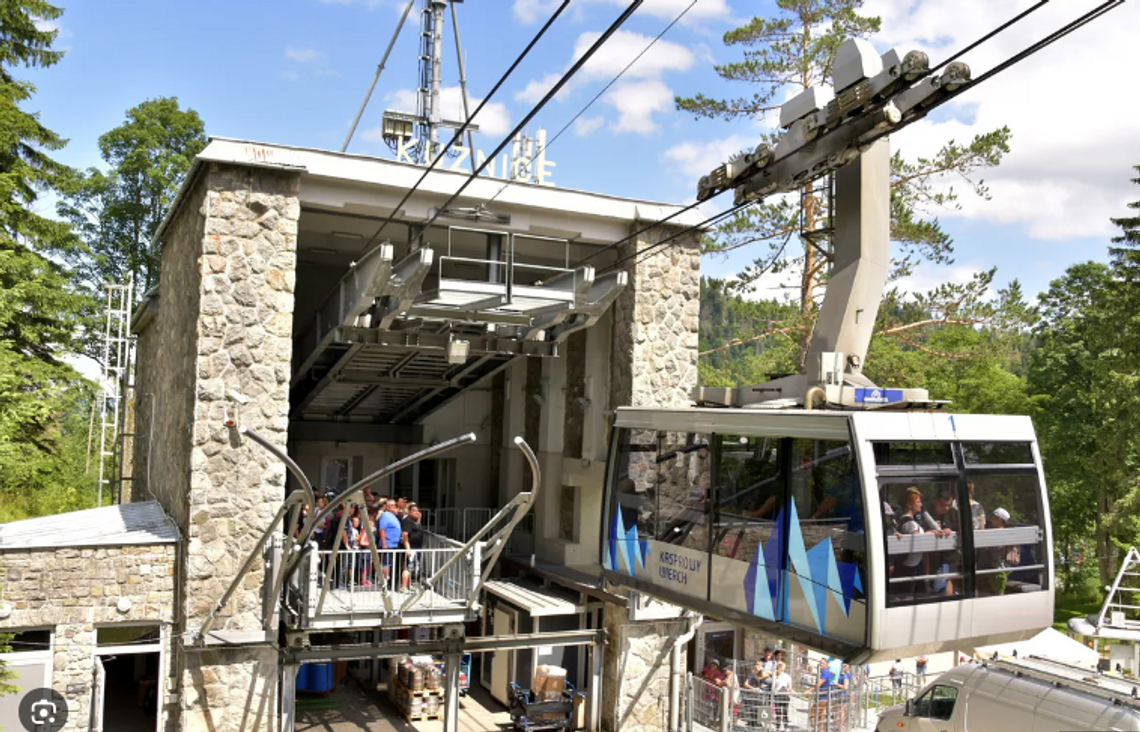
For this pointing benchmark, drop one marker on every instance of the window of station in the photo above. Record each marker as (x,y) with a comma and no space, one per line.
(28,641)
(750,494)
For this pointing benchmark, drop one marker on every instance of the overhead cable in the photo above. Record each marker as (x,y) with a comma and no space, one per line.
(1028,51)
(534,111)
(655,248)
(459,133)
(1028,11)
(605,89)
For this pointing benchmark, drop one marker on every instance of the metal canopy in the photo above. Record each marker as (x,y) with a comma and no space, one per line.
(400,336)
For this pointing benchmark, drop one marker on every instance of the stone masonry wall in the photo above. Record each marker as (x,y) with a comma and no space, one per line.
(655,324)
(247,269)
(75,591)
(654,363)
(638,656)
(164,386)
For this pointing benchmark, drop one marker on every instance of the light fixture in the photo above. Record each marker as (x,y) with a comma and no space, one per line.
(477,213)
(457,351)
(346,235)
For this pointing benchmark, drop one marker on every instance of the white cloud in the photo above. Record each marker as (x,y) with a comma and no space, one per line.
(531,11)
(623,47)
(536,89)
(929,276)
(694,159)
(586,126)
(303,55)
(636,102)
(494,119)
(1069,168)
(639,95)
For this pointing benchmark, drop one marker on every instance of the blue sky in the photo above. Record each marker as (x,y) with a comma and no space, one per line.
(295,71)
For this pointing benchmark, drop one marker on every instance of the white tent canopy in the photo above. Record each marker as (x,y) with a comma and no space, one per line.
(1050,644)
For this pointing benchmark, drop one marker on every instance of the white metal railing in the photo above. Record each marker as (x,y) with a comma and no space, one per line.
(714,707)
(352,582)
(456,523)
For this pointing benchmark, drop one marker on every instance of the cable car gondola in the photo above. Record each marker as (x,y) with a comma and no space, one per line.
(867,534)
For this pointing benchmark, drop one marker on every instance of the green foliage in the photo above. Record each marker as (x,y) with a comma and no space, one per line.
(116,212)
(42,314)
(957,342)
(1085,390)
(6,674)
(726,317)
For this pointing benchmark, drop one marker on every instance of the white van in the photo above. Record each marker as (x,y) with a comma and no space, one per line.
(1031,695)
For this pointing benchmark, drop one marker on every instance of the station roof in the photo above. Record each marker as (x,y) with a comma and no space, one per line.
(372,174)
(535,599)
(129,524)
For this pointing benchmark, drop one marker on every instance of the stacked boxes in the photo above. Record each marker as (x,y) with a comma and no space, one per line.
(417,688)
(549,682)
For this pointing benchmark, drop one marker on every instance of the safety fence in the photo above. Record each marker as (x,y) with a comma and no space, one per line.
(723,706)
(456,523)
(354,581)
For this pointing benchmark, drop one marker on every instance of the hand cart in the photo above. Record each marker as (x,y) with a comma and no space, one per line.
(531,714)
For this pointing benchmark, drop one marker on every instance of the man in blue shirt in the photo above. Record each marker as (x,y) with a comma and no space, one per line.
(823,688)
(390,532)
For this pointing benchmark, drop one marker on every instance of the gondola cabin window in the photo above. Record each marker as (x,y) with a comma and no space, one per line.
(946,518)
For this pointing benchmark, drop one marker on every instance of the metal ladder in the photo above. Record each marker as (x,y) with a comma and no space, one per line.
(113,381)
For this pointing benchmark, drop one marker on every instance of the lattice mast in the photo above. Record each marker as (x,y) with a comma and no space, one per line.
(430,85)
(114,382)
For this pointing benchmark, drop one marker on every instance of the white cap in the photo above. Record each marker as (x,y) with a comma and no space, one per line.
(1002,514)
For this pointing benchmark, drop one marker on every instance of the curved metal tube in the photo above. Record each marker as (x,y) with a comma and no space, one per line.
(520,504)
(291,466)
(812,393)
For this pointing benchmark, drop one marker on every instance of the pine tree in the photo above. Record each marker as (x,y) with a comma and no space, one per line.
(44,316)
(782,56)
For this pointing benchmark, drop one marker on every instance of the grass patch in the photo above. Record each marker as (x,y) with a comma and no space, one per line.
(1067,607)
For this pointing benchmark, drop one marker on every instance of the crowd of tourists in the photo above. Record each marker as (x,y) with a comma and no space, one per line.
(391,525)
(763,695)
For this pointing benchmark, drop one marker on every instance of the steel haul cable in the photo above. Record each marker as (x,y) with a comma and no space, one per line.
(604,90)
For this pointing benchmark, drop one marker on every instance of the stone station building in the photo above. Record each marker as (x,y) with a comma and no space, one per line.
(281,305)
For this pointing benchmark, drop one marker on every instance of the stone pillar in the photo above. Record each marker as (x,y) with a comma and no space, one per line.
(247,269)
(654,356)
(653,363)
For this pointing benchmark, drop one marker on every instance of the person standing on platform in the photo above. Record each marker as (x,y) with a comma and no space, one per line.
(413,541)
(390,533)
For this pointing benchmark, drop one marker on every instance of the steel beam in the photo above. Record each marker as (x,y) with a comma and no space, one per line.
(438,342)
(485,644)
(351,298)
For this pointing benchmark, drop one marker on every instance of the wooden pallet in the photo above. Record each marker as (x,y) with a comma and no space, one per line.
(422,717)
